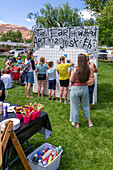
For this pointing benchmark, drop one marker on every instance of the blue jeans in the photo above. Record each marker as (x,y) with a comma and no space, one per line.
(91,89)
(79,93)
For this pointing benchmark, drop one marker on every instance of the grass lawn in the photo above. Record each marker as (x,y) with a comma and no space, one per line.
(83,148)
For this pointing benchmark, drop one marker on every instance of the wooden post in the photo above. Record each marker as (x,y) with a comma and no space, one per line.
(7,135)
(20,151)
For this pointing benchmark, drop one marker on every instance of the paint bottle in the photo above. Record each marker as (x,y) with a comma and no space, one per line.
(39,155)
(43,152)
(45,162)
(55,155)
(35,157)
(39,162)
(59,149)
(46,150)
(50,159)
(46,154)
(58,62)
(91,59)
(68,61)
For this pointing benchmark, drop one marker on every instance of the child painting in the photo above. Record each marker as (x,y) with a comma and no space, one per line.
(51,74)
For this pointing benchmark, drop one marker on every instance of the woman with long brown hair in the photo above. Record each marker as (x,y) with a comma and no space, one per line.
(29,78)
(41,69)
(79,91)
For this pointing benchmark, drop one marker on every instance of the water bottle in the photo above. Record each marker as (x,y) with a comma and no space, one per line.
(5,111)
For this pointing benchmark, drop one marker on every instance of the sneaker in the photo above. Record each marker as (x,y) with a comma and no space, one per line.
(54,98)
(60,101)
(49,98)
(66,102)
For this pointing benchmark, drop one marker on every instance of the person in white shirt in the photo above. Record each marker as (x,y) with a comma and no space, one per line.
(6,78)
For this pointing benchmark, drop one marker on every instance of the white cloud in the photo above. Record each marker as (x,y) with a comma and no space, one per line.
(85,14)
(2,22)
(29,20)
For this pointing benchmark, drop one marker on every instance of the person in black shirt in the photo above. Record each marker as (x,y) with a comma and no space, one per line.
(2,90)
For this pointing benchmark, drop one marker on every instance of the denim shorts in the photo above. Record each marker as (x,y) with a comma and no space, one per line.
(29,78)
(52,84)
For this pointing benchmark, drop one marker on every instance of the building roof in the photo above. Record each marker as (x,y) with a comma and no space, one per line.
(15,44)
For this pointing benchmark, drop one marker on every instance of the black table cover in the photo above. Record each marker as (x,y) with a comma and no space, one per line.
(26,130)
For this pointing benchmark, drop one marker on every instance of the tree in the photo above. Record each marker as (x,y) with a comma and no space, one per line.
(58,16)
(105,22)
(95,5)
(89,22)
(13,36)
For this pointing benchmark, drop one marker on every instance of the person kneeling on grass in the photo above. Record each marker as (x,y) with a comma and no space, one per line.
(51,74)
(62,70)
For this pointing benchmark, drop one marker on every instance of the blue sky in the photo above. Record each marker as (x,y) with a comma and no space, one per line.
(15,11)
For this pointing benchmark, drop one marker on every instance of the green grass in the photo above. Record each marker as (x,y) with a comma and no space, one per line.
(83,148)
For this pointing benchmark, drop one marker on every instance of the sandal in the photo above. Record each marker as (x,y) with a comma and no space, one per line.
(75,125)
(90,123)
(29,96)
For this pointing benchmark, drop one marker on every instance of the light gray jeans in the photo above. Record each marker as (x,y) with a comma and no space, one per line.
(79,93)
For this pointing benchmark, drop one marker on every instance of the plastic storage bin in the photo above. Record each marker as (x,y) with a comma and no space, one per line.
(53,165)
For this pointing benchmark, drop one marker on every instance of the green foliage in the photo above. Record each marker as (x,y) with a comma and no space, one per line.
(104,19)
(95,5)
(105,22)
(11,35)
(89,22)
(59,16)
(29,40)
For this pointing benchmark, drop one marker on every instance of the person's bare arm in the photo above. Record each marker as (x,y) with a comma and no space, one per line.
(57,71)
(72,63)
(47,75)
(96,70)
(72,76)
(1,91)
(36,70)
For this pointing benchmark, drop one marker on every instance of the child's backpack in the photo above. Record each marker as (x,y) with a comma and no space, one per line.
(26,67)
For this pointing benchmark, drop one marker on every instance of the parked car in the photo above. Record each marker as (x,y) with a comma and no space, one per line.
(29,50)
(102,53)
(19,50)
